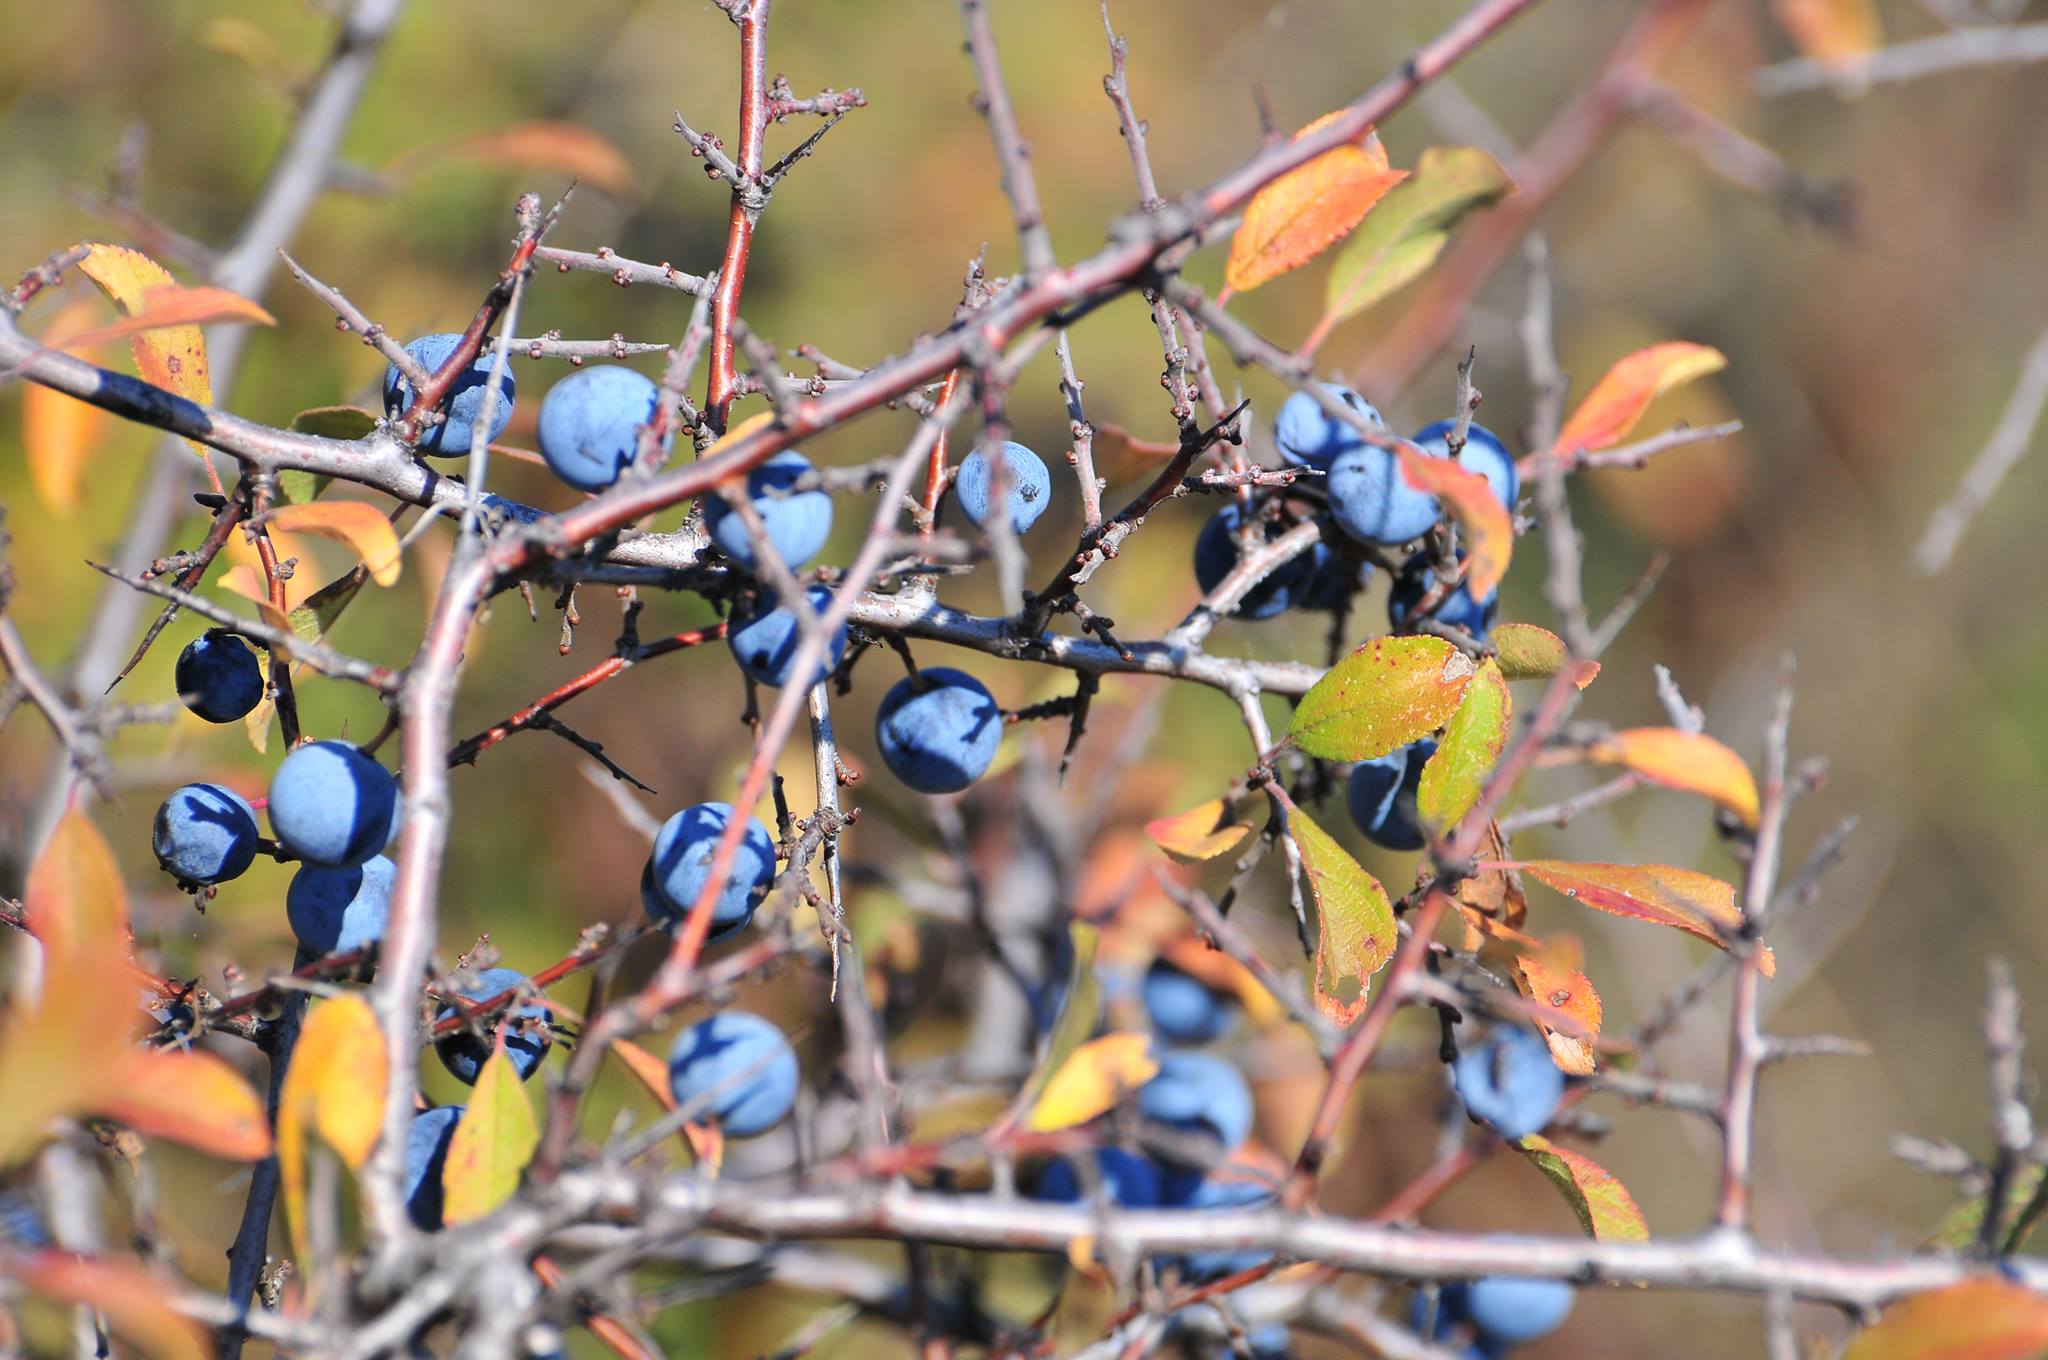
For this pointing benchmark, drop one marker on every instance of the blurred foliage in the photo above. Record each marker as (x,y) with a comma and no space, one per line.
(1867,370)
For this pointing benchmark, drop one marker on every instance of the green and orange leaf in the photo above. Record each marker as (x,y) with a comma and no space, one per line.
(1355,934)
(1411,225)
(493,1142)
(1526,652)
(1388,693)
(1603,1204)
(360,525)
(1473,739)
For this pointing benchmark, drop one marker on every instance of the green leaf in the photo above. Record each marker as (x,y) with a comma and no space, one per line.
(1410,227)
(1389,692)
(1958,1232)
(492,1145)
(328,422)
(317,613)
(1354,919)
(1527,652)
(1465,756)
(1605,1208)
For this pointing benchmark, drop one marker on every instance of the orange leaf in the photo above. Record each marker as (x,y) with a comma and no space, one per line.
(247,582)
(1975,1320)
(1309,209)
(190,1098)
(170,305)
(1698,904)
(1835,33)
(360,525)
(1603,1204)
(1092,1079)
(1201,833)
(76,904)
(59,433)
(1489,532)
(172,357)
(135,1301)
(706,1144)
(568,147)
(1618,401)
(1544,979)
(1224,974)
(1689,761)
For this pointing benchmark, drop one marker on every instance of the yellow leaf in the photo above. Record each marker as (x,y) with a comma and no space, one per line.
(1618,401)
(360,525)
(170,305)
(190,1098)
(1355,921)
(1976,1320)
(1092,1080)
(1835,33)
(1689,761)
(568,147)
(1603,1204)
(335,1087)
(492,1144)
(1307,210)
(135,1301)
(1489,531)
(174,358)
(1698,904)
(1201,833)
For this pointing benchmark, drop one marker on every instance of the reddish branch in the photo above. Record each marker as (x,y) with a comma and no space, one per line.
(751,17)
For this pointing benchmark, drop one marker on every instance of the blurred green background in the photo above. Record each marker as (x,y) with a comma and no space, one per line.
(1866,368)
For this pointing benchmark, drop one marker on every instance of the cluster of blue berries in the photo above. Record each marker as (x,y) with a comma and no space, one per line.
(1200,1108)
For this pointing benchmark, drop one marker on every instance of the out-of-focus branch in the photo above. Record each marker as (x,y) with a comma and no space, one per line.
(2001,453)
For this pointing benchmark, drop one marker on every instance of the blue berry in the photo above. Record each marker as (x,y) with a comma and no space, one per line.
(1443,1320)
(1270,1342)
(590,423)
(1509,1082)
(765,640)
(939,732)
(1483,453)
(1373,502)
(1197,1093)
(1310,438)
(681,865)
(1026,483)
(465,399)
(1216,556)
(1512,1311)
(1381,795)
(426,1153)
(736,1070)
(1184,1009)
(1220,1189)
(512,511)
(218,677)
(526,1036)
(1333,578)
(1458,609)
(1131,1180)
(205,834)
(798,523)
(332,805)
(334,911)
